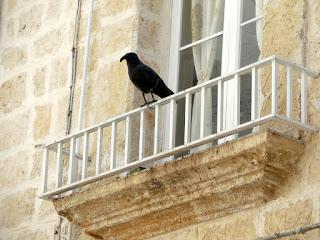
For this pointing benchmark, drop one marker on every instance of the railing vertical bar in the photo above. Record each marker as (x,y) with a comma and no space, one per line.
(304,97)
(202,111)
(45,170)
(220,107)
(98,154)
(156,129)
(72,162)
(274,87)
(289,91)
(59,166)
(237,100)
(141,135)
(172,127)
(85,155)
(127,141)
(254,94)
(187,118)
(113,145)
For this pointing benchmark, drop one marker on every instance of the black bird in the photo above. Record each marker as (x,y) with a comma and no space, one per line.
(144,78)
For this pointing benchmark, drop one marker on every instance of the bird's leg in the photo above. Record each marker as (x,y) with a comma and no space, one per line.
(153,100)
(145,101)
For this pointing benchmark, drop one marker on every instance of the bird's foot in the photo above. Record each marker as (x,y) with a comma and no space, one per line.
(147,103)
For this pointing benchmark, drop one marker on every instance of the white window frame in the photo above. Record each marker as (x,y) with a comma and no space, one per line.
(230,55)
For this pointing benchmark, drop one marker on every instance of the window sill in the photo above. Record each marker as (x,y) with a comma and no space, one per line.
(222,180)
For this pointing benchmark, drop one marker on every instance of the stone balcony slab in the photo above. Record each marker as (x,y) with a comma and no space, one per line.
(220,181)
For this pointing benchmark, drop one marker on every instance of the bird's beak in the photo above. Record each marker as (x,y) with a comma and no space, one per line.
(123,57)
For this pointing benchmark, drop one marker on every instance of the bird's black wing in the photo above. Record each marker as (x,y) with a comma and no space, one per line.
(159,87)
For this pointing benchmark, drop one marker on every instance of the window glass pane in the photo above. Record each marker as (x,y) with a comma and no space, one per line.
(199,64)
(200,19)
(251,9)
(250,43)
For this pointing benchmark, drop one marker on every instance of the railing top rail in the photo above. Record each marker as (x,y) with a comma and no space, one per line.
(181,94)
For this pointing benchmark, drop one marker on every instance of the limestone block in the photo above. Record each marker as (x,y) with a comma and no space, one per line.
(17,208)
(287,16)
(16,166)
(113,38)
(34,234)
(46,210)
(148,38)
(108,8)
(14,131)
(59,73)
(30,21)
(60,119)
(11,5)
(49,43)
(234,228)
(103,93)
(12,93)
(39,81)
(10,28)
(189,233)
(42,122)
(54,10)
(153,6)
(36,165)
(281,218)
(13,57)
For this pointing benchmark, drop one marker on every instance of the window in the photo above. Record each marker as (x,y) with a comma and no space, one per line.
(212,38)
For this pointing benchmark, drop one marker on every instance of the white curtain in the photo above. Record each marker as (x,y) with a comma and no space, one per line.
(206,19)
(259,12)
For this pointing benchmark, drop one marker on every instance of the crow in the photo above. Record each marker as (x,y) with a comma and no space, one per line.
(144,78)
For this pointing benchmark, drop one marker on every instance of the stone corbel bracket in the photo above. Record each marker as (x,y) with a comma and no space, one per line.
(223,180)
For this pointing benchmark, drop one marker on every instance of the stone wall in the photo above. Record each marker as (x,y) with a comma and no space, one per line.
(35,71)
(35,68)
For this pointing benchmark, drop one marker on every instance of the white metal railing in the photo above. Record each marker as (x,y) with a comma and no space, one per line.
(75,178)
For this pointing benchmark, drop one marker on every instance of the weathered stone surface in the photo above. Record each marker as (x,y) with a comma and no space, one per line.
(36,165)
(239,227)
(11,5)
(10,28)
(221,181)
(13,57)
(12,93)
(39,81)
(34,234)
(113,38)
(110,8)
(59,73)
(30,21)
(54,10)
(15,131)
(13,165)
(46,210)
(17,208)
(153,6)
(103,89)
(49,43)
(60,119)
(287,15)
(189,233)
(42,121)
(287,217)
(148,38)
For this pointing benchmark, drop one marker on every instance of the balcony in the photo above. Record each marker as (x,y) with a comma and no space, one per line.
(101,192)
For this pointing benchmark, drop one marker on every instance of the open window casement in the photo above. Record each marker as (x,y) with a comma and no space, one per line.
(210,38)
